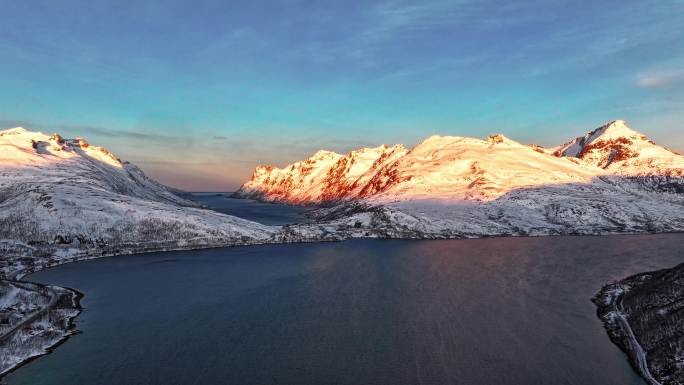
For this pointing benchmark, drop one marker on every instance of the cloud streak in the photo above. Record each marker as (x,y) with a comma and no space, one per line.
(661,79)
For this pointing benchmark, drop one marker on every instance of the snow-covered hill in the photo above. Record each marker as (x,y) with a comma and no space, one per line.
(63,200)
(64,197)
(612,180)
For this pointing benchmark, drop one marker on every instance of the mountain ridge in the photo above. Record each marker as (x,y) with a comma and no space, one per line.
(65,197)
(431,168)
(457,187)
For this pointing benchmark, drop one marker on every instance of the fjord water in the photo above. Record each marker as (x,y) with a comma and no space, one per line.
(488,311)
(266,213)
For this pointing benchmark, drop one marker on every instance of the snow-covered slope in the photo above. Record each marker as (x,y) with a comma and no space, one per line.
(440,167)
(455,168)
(60,198)
(612,180)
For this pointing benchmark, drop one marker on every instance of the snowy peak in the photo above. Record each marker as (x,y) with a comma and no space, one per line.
(621,150)
(452,168)
(437,142)
(615,129)
(13,131)
(67,198)
(20,146)
(612,134)
(352,171)
(31,158)
(324,155)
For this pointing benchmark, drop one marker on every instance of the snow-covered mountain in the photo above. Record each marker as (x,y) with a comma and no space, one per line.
(64,197)
(620,150)
(444,167)
(612,180)
(324,177)
(63,200)
(457,168)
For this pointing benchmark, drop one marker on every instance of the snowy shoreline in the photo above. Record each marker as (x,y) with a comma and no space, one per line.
(68,329)
(609,310)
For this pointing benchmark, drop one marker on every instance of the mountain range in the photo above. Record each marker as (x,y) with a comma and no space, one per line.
(63,199)
(613,179)
(456,168)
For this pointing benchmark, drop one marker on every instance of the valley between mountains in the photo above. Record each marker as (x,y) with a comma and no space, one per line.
(64,200)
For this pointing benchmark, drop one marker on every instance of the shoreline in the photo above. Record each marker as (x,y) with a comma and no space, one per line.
(642,316)
(19,275)
(69,331)
(609,309)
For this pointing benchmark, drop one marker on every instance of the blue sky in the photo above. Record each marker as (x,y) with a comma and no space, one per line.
(199,92)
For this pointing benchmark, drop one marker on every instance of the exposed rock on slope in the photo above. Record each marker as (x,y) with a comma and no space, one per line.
(644,316)
(323,178)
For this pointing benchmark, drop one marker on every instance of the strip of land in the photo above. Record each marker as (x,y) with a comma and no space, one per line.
(644,316)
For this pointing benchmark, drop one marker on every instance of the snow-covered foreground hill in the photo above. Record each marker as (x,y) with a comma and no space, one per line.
(61,198)
(611,180)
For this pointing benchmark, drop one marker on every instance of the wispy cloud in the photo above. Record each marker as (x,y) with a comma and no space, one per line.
(174,157)
(84,130)
(661,79)
(8,123)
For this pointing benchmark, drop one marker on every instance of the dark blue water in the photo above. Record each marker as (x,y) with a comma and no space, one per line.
(266,213)
(490,311)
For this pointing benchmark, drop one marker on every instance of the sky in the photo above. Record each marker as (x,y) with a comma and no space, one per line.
(197,93)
